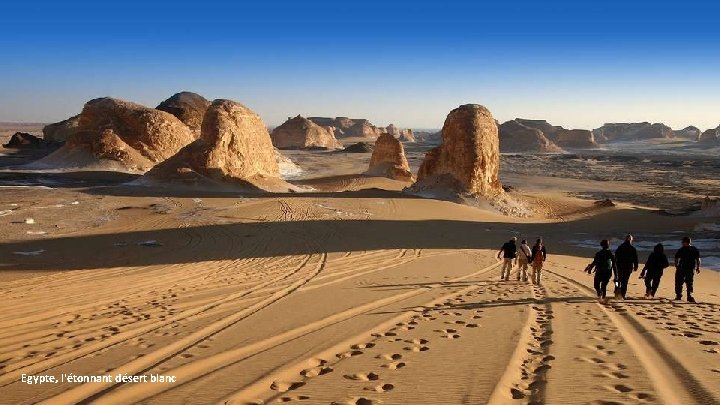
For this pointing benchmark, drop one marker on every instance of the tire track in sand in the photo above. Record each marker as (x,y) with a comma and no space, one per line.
(191,371)
(11,375)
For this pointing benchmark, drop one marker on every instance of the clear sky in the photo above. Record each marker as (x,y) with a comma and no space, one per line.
(575,63)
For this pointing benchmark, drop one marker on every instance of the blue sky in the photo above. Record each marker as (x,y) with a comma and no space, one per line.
(577,64)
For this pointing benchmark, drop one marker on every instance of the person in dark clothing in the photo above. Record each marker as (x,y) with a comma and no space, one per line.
(604,265)
(509,253)
(687,262)
(627,261)
(653,270)
(537,260)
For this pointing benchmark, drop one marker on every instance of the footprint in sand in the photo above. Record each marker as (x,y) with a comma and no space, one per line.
(297,398)
(384,387)
(417,348)
(451,336)
(363,346)
(284,386)
(357,401)
(390,356)
(394,365)
(351,353)
(316,371)
(621,388)
(362,376)
(708,343)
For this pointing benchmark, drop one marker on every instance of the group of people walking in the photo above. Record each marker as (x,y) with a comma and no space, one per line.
(618,265)
(525,257)
(624,262)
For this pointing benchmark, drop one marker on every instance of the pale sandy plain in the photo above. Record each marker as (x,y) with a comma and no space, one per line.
(355,294)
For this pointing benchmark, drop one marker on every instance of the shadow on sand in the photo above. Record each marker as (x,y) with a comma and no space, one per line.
(232,241)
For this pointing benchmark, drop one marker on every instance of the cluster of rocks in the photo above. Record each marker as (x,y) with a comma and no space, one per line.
(539,136)
(134,136)
(301,133)
(634,131)
(186,140)
(344,127)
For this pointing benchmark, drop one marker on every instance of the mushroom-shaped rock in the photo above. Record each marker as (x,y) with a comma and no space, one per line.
(188,107)
(388,159)
(468,160)
(301,133)
(234,149)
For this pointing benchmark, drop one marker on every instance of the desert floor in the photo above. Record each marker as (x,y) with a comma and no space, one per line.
(353,294)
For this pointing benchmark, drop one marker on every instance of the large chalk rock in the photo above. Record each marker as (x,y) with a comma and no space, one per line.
(388,159)
(234,149)
(468,160)
(124,134)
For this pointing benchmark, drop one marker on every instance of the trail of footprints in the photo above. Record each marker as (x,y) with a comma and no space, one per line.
(692,322)
(530,387)
(599,343)
(390,352)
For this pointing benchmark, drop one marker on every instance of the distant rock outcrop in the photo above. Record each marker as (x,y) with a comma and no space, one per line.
(574,138)
(187,107)
(519,138)
(234,149)
(360,147)
(61,131)
(636,131)
(388,159)
(561,137)
(24,140)
(428,137)
(710,136)
(392,130)
(349,127)
(468,160)
(301,133)
(131,135)
(406,135)
(690,132)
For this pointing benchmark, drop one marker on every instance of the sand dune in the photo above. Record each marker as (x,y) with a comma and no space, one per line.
(358,297)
